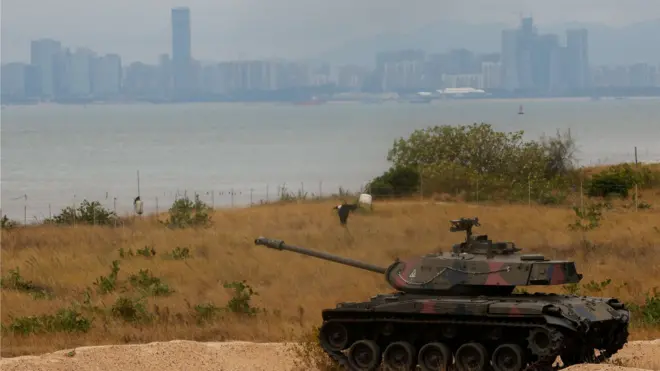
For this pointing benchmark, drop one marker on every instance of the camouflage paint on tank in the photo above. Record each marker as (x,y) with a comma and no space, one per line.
(442,272)
(495,278)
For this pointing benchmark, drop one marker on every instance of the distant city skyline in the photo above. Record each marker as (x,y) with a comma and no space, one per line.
(528,62)
(285,29)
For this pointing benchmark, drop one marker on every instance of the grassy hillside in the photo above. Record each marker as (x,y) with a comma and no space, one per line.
(59,290)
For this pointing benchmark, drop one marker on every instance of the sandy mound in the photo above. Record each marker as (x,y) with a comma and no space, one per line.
(163,356)
(242,356)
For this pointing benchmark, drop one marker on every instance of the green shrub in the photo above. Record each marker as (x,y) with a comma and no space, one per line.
(179,253)
(397,182)
(185,213)
(108,284)
(146,282)
(206,312)
(618,180)
(14,281)
(479,162)
(240,301)
(615,181)
(92,213)
(131,310)
(7,223)
(648,313)
(64,320)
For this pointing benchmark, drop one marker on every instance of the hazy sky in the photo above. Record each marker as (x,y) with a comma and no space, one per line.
(140,29)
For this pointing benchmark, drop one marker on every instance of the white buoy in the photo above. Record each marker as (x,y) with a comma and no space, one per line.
(365,198)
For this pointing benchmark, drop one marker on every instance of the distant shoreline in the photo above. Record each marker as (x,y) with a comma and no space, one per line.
(344,101)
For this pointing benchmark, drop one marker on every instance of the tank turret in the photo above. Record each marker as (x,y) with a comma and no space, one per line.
(477,266)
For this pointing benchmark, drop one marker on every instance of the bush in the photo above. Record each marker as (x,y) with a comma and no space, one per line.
(131,310)
(620,179)
(206,312)
(7,223)
(476,158)
(92,213)
(64,320)
(14,281)
(397,181)
(185,213)
(240,301)
(108,284)
(149,284)
(648,313)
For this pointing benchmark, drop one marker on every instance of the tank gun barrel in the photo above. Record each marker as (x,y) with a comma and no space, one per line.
(280,245)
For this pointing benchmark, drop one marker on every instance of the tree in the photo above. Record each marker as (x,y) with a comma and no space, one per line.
(477,158)
(477,147)
(560,153)
(397,181)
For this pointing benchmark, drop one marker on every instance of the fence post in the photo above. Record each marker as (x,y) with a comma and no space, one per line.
(74,210)
(25,210)
(477,190)
(421,185)
(529,190)
(581,197)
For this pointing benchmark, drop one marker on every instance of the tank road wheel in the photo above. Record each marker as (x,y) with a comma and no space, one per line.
(543,342)
(364,355)
(400,356)
(434,357)
(508,357)
(335,335)
(472,357)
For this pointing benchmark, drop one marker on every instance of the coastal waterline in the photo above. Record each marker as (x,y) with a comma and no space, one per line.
(57,155)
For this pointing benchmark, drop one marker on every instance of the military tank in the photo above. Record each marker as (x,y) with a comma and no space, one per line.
(458,310)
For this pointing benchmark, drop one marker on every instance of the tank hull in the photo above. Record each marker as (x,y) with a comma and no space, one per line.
(537,327)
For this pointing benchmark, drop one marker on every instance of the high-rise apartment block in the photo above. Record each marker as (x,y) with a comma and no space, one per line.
(43,53)
(538,62)
(182,70)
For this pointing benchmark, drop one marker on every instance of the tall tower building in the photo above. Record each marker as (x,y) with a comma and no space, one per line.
(509,67)
(181,51)
(43,53)
(577,49)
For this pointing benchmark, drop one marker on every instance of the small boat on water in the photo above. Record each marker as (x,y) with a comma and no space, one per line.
(311,102)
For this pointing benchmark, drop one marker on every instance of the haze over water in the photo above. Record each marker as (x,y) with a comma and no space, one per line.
(57,155)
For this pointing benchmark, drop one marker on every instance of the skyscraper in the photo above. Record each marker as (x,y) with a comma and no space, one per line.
(578,58)
(509,68)
(42,55)
(181,51)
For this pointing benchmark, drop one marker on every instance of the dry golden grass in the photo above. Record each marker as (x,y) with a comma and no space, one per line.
(295,288)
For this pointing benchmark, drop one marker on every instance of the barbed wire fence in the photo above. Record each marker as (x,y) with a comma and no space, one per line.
(33,211)
(37,209)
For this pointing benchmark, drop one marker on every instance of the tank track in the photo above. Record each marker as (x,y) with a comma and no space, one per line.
(542,364)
